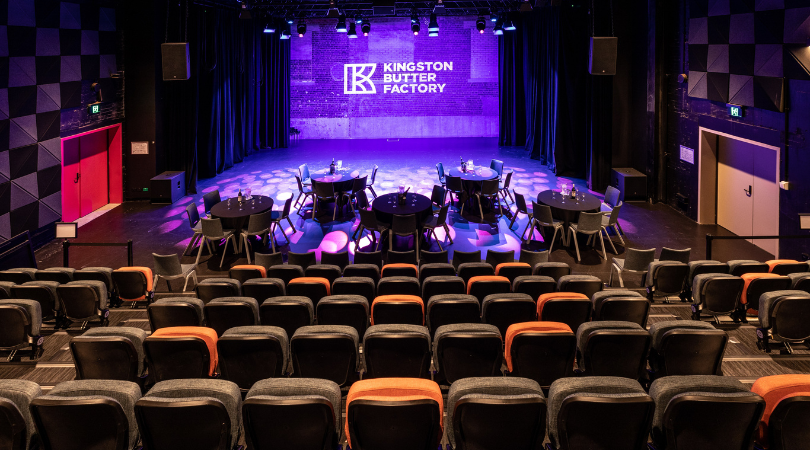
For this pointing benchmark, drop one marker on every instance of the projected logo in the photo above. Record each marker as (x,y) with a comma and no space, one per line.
(398,78)
(357,78)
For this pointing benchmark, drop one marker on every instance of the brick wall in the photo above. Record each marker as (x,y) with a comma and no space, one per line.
(462,102)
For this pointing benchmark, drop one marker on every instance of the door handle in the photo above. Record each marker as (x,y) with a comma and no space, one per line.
(748,191)
(77,178)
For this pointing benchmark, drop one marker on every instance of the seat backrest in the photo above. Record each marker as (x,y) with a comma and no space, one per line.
(362,286)
(467,350)
(441,285)
(268,260)
(212,228)
(340,259)
(327,271)
(415,405)
(743,266)
(400,270)
(533,285)
(303,171)
(287,312)
(675,343)
(570,308)
(541,351)
(359,185)
(302,259)
(109,353)
(460,257)
(437,196)
(757,284)
(589,222)
(245,272)
(428,257)
(616,349)
(175,312)
(787,430)
(258,223)
(628,309)
(467,271)
(667,277)
(497,166)
(17,276)
(167,264)
(193,214)
(782,312)
(435,269)
(369,257)
(210,199)
(181,352)
(638,260)
(800,281)
(397,309)
(786,266)
(554,270)
(285,272)
(82,301)
(671,254)
(481,286)
(314,288)
(440,171)
(533,258)
(328,352)
(497,257)
(348,310)
(323,189)
(490,187)
(450,309)
(503,310)
(520,204)
(453,184)
(42,291)
(399,285)
(212,288)
(507,180)
(396,350)
(224,313)
(252,353)
(374,173)
(404,224)
(54,274)
(612,196)
(584,284)
(718,293)
(16,424)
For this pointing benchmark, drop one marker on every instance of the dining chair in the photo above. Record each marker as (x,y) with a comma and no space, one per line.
(497,166)
(258,225)
(455,186)
(369,223)
(209,200)
(434,222)
(591,225)
(303,172)
(440,170)
(276,218)
(196,227)
(611,220)
(543,218)
(169,268)
(370,186)
(404,226)
(504,188)
(214,233)
(635,261)
(358,186)
(520,207)
(324,192)
(305,191)
(612,198)
(671,254)
(437,197)
(489,190)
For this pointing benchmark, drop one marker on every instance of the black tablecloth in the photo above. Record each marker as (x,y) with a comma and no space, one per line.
(569,210)
(479,174)
(235,218)
(343,182)
(386,206)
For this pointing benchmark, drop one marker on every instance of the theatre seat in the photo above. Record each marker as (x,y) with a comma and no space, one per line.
(363,286)
(554,270)
(211,288)
(757,284)
(17,428)
(697,268)
(398,309)
(541,351)
(495,413)
(263,288)
(622,305)
(175,312)
(704,412)
(18,276)
(285,272)
(786,266)
(86,413)
(103,274)
(449,309)
(787,412)
(85,301)
(686,347)
(327,271)
(396,351)
(466,350)
(436,270)
(363,270)
(503,310)
(311,287)
(292,413)
(181,352)
(783,318)
(133,284)
(193,414)
(394,414)
(800,281)
(474,269)
(612,349)
(534,285)
(5,289)
(400,270)
(348,310)
(288,312)
(442,285)
(252,353)
(228,312)
(61,275)
(598,413)
(399,286)
(109,353)
(739,267)
(330,352)
(586,285)
(716,294)
(665,279)
(570,308)
(481,286)
(20,327)
(245,272)
(512,270)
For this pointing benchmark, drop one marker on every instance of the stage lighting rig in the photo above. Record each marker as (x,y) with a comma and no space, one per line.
(352,33)
(481,24)
(433,26)
(301,28)
(366,27)
(508,25)
(498,30)
(341,24)
(269,28)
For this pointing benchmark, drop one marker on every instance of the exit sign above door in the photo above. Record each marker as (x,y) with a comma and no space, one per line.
(735,111)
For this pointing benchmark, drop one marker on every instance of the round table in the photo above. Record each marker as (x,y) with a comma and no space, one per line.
(569,210)
(236,219)
(386,206)
(343,180)
(479,174)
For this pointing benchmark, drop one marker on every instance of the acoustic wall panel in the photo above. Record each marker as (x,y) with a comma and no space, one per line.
(741,59)
(741,90)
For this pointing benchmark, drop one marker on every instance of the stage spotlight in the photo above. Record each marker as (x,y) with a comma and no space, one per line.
(301,28)
(481,24)
(269,28)
(285,34)
(366,27)
(415,28)
(352,31)
(498,30)
(358,20)
(414,16)
(434,24)
(509,25)
(341,24)
(289,20)
(493,17)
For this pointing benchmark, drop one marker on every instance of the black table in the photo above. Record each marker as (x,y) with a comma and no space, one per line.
(478,175)
(236,219)
(386,206)
(569,210)
(343,180)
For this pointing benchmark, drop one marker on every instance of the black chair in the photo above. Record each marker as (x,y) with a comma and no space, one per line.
(621,305)
(401,351)
(612,349)
(554,270)
(466,350)
(504,310)
(534,285)
(533,258)
(520,207)
(5,289)
(225,313)
(513,270)
(287,312)
(466,271)
(18,276)
(210,199)
(665,279)
(686,347)
(252,353)
(370,271)
(460,258)
(704,413)
(326,271)
(437,197)
(369,258)
(426,257)
(716,294)
(398,309)
(304,260)
(406,225)
(358,194)
(292,413)
(86,413)
(199,414)
(452,309)
(312,288)
(195,225)
(370,185)
(440,171)
(370,224)
(399,286)
(362,286)
(782,318)
(598,412)
(328,352)
(61,275)
(84,301)
(570,308)
(268,260)
(700,267)
(181,352)
(496,413)
(587,285)
(482,286)
(671,254)
(347,310)
(325,192)
(175,312)
(276,217)
(503,189)
(490,189)
(212,288)
(455,186)
(243,273)
(43,292)
(285,272)
(758,285)
(17,428)
(541,351)
(21,327)
(739,267)
(400,270)
(406,257)
(340,259)
(441,285)
(305,191)
(110,353)
(263,288)
(437,221)
(436,270)
(496,257)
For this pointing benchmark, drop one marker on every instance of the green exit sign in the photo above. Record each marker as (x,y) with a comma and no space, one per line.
(735,111)
(94,108)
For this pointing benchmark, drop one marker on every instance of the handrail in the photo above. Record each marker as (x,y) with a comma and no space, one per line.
(711,238)
(67,244)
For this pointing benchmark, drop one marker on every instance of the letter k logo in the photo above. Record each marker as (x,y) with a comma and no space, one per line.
(357,81)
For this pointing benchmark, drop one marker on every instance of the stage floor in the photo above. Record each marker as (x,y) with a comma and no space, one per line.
(164,229)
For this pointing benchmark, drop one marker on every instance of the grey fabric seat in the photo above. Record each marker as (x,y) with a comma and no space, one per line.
(715,294)
(95,273)
(329,352)
(636,262)
(169,268)
(474,269)
(442,285)
(251,353)
(157,409)
(288,312)
(465,350)
(42,291)
(554,270)
(451,308)
(212,288)
(84,412)
(612,348)
(534,285)
(5,289)
(19,275)
(15,401)
(263,288)
(582,284)
(84,301)
(268,260)
(34,312)
(399,285)
(328,271)
(396,350)
(228,312)
(364,286)
(349,310)
(175,312)
(62,275)
(363,271)
(704,412)
(700,267)
(622,305)
(436,270)
(300,413)
(738,267)
(285,272)
(99,353)
(800,281)
(503,310)
(598,410)
(686,347)
(665,279)
(781,318)
(513,428)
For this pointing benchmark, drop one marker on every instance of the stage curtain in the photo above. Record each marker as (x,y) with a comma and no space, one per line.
(542,35)
(237,100)
(511,82)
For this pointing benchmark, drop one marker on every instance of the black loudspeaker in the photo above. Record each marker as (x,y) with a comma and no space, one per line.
(175,61)
(603,55)
(631,183)
(168,187)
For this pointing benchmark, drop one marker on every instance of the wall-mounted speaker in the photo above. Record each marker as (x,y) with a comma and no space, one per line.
(176,64)
(603,55)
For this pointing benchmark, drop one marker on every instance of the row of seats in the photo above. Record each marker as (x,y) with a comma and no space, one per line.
(679,413)
(542,351)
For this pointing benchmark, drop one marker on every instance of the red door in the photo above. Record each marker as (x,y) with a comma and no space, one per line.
(71,192)
(93,172)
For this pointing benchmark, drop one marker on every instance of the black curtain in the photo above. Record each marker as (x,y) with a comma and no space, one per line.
(511,82)
(237,100)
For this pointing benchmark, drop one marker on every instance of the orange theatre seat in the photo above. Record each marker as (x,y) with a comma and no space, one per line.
(398,309)
(787,411)
(786,266)
(570,308)
(180,352)
(133,284)
(394,414)
(482,285)
(513,270)
(757,284)
(541,351)
(314,288)
(400,270)
(246,272)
